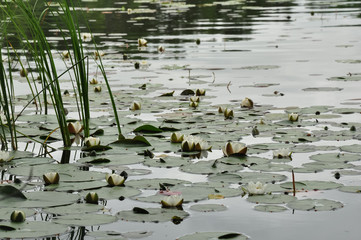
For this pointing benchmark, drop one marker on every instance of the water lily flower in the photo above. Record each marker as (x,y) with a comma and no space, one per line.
(176,137)
(228,113)
(86,37)
(221,109)
(161,49)
(4,156)
(247,103)
(51,178)
(282,153)
(130,11)
(200,92)
(188,145)
(17,216)
(256,188)
(172,201)
(75,128)
(142,42)
(202,146)
(115,179)
(193,104)
(97,89)
(293,117)
(65,54)
(91,141)
(234,148)
(92,197)
(135,106)
(93,81)
(98,54)
(194,99)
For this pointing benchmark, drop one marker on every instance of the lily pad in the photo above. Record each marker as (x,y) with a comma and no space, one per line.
(76,208)
(354,148)
(214,235)
(271,198)
(315,205)
(153,184)
(336,157)
(270,208)
(89,219)
(312,185)
(29,229)
(208,207)
(154,215)
(115,192)
(5,213)
(351,189)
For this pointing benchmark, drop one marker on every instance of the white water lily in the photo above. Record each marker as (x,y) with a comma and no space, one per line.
(221,109)
(187,146)
(172,201)
(91,141)
(135,106)
(161,49)
(193,104)
(142,42)
(202,146)
(4,156)
(99,54)
(75,128)
(194,99)
(51,178)
(17,216)
(247,103)
(293,117)
(257,188)
(93,81)
(282,153)
(194,143)
(65,54)
(200,92)
(177,137)
(97,89)
(228,113)
(114,179)
(86,37)
(234,148)
(92,197)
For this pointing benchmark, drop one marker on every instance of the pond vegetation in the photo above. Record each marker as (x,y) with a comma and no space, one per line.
(180,119)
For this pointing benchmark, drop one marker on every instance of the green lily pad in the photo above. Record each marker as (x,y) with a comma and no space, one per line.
(208,207)
(312,185)
(153,184)
(208,167)
(89,219)
(147,129)
(271,198)
(154,215)
(270,208)
(111,160)
(350,189)
(315,205)
(29,229)
(167,162)
(75,186)
(8,191)
(214,235)
(115,192)
(354,148)
(335,157)
(107,235)
(5,213)
(76,208)
(134,142)
(271,167)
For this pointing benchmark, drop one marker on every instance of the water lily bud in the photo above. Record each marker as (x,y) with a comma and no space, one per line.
(97,89)
(114,179)
(142,42)
(200,92)
(176,137)
(194,99)
(172,201)
(198,41)
(256,188)
(234,148)
(92,197)
(91,141)
(187,146)
(193,104)
(228,113)
(161,49)
(93,81)
(221,109)
(136,65)
(247,103)
(65,54)
(293,117)
(17,216)
(99,54)
(75,128)
(4,156)
(202,146)
(51,178)
(282,153)
(23,72)
(135,106)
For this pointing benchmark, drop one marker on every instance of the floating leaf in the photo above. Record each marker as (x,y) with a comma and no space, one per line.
(135,142)
(315,205)
(147,129)
(213,235)
(139,210)
(30,229)
(208,207)
(154,215)
(89,219)
(8,191)
(270,208)
(271,199)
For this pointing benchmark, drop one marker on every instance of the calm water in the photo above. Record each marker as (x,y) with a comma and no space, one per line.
(289,45)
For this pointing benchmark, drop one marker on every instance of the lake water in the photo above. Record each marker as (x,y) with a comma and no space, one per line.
(282,53)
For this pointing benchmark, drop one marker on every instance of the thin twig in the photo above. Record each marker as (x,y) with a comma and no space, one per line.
(293,183)
(229,84)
